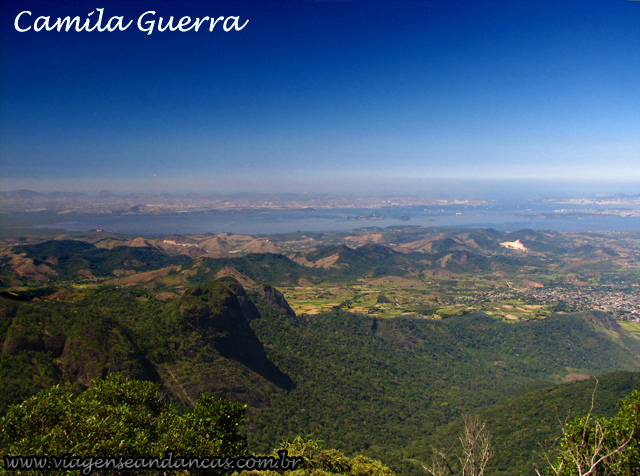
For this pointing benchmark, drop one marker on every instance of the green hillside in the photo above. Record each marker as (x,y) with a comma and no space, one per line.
(201,343)
(66,258)
(386,388)
(528,425)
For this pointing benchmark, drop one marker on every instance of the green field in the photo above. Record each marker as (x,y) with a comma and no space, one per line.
(633,327)
(393,296)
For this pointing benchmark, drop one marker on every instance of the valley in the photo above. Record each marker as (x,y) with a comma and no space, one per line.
(383,272)
(377,341)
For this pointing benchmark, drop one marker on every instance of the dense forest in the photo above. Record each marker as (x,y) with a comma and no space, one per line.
(385,388)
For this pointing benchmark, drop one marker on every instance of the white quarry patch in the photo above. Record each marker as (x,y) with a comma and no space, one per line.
(514,245)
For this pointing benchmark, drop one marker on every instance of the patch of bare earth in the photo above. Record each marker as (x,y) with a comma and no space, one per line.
(25,267)
(363,239)
(576,377)
(215,245)
(394,280)
(532,284)
(145,277)
(139,243)
(123,272)
(86,273)
(327,262)
(165,295)
(443,274)
(239,276)
(261,246)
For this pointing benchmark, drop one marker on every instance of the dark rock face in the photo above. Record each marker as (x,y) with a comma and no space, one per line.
(43,337)
(273,296)
(220,309)
(248,308)
(91,355)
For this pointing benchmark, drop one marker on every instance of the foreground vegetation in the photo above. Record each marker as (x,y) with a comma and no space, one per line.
(119,417)
(122,417)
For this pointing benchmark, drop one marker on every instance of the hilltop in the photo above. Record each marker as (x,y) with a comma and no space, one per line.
(384,272)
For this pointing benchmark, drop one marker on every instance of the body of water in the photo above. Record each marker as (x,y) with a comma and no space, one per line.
(508,218)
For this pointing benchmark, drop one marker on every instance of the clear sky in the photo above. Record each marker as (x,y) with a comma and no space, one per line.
(321,95)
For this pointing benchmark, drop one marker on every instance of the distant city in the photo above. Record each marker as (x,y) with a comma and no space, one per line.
(106,202)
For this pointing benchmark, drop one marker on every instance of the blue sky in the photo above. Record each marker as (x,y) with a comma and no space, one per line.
(322,96)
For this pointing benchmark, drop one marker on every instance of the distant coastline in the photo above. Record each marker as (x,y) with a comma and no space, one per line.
(286,213)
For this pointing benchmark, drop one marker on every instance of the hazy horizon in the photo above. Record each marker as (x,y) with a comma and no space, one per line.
(482,189)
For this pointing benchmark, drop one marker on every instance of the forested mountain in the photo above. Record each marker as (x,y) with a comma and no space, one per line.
(294,259)
(527,426)
(383,387)
(201,343)
(386,387)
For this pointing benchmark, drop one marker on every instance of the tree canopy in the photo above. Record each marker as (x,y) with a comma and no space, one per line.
(600,446)
(120,417)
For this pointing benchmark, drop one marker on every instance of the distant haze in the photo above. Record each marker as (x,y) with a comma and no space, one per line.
(463,189)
